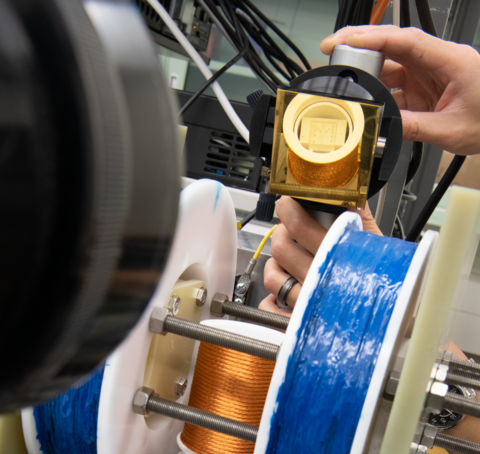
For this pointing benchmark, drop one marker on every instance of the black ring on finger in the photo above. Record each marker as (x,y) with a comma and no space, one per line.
(284,291)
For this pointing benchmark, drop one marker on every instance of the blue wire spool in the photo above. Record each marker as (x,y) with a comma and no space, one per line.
(347,322)
(75,413)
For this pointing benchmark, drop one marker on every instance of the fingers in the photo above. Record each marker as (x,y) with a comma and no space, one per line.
(368,221)
(407,46)
(300,225)
(269,305)
(432,127)
(393,74)
(274,277)
(291,256)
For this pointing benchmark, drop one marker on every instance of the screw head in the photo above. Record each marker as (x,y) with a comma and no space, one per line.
(140,400)
(181,386)
(200,296)
(238,300)
(174,304)
(241,287)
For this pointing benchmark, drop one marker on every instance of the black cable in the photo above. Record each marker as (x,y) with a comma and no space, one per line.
(278,32)
(400,226)
(425,16)
(435,198)
(417,156)
(364,13)
(428,26)
(248,218)
(210,81)
(270,53)
(405,19)
(236,39)
(255,58)
(252,213)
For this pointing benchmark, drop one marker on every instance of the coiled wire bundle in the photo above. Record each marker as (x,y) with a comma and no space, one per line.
(326,365)
(229,384)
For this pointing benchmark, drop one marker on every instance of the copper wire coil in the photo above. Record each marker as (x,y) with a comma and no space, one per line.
(229,384)
(332,175)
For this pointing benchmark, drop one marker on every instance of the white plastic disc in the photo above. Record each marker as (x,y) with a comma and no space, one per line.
(403,309)
(204,248)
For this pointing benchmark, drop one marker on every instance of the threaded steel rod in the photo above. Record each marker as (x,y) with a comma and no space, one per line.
(255,315)
(452,444)
(460,367)
(202,418)
(467,381)
(221,338)
(463,405)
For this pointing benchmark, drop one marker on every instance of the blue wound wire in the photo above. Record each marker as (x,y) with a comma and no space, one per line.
(68,423)
(319,404)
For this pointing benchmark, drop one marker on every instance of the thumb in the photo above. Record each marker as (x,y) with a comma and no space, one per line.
(430,127)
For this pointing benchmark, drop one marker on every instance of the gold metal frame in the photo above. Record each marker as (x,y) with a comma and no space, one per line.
(354,193)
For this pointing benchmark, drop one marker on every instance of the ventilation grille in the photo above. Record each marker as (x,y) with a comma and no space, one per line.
(229,156)
(148,12)
(222,156)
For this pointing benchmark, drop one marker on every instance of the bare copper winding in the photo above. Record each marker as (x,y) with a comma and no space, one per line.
(332,175)
(230,384)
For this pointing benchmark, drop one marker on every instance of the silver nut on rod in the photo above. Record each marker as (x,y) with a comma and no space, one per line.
(428,436)
(174,304)
(417,449)
(140,400)
(200,295)
(157,320)
(216,306)
(181,386)
(436,398)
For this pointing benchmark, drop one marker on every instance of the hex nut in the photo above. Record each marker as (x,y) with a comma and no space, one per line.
(174,304)
(428,436)
(157,320)
(140,400)
(436,397)
(182,384)
(200,295)
(441,374)
(417,449)
(447,357)
(392,383)
(216,306)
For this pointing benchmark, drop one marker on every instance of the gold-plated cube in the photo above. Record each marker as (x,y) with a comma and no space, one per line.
(323,148)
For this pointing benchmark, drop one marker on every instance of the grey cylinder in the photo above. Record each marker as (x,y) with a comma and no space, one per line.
(202,418)
(367,60)
(457,445)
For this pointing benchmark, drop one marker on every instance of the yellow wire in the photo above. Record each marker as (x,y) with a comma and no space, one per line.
(262,243)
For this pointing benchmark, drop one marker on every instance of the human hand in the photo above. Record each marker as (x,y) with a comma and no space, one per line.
(439,94)
(294,245)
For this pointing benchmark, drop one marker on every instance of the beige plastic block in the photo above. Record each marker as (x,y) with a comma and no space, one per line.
(11,435)
(459,233)
(323,134)
(170,356)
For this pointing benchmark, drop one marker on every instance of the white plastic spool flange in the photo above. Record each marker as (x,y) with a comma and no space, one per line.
(404,306)
(204,248)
